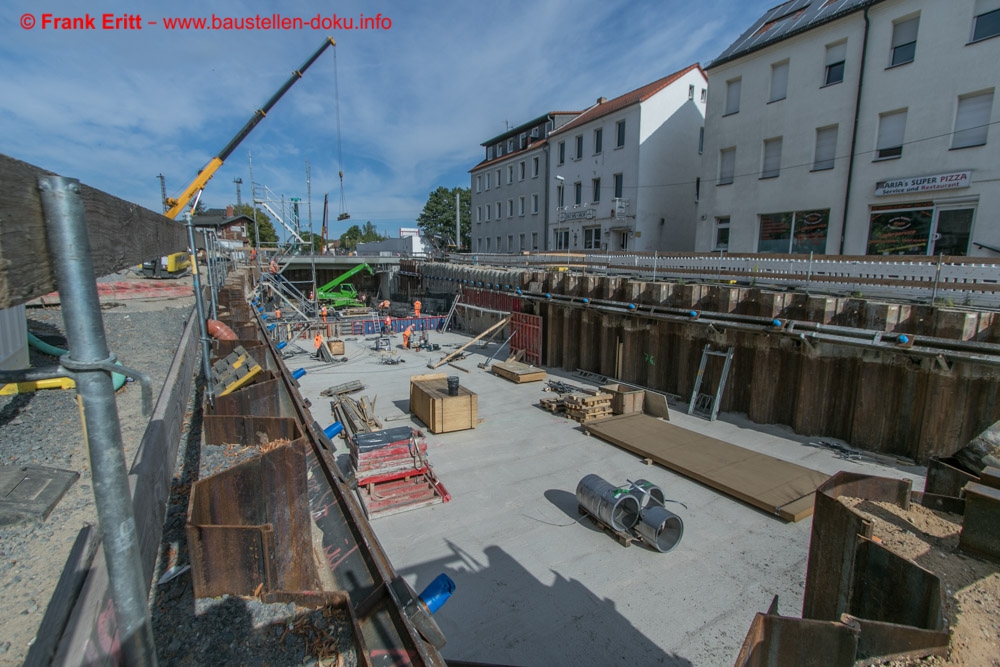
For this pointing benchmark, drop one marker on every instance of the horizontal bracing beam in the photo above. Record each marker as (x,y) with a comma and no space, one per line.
(122,234)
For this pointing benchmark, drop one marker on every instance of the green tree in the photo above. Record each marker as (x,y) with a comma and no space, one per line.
(265,228)
(354,235)
(316,239)
(437,220)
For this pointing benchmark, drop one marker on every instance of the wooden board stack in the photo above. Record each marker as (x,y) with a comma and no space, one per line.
(585,408)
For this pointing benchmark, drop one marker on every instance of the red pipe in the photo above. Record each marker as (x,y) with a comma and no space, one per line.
(220,331)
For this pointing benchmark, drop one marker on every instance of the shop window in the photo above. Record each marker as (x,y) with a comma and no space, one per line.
(796,232)
(592,238)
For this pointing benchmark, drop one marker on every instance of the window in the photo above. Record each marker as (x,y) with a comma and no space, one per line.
(510,242)
(704,94)
(620,133)
(826,148)
(499,211)
(779,81)
(499,150)
(733,96)
(520,205)
(479,183)
(598,140)
(534,167)
(722,233)
(510,208)
(561,239)
(521,141)
(579,146)
(498,178)
(619,182)
(489,244)
(487,180)
(534,203)
(479,214)
(972,120)
(799,232)
(987,21)
(592,238)
(560,196)
(772,158)
(520,241)
(727,165)
(520,170)
(562,152)
(489,153)
(904,41)
(510,145)
(597,190)
(510,174)
(701,140)
(488,211)
(836,55)
(891,127)
(479,245)
(578,193)
(534,240)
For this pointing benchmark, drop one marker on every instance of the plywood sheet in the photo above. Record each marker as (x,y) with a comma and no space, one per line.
(777,486)
(517,372)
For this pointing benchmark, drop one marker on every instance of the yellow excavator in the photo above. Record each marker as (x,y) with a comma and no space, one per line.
(179,263)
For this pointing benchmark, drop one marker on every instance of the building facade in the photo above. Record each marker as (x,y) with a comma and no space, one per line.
(855,127)
(509,197)
(622,170)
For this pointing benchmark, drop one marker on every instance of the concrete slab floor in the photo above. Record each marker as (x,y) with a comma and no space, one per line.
(537,584)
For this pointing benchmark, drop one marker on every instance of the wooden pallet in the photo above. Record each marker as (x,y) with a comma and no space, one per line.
(623,539)
(517,372)
(553,405)
(586,417)
(582,401)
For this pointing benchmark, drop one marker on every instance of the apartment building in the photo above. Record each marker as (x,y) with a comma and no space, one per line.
(624,172)
(855,127)
(509,197)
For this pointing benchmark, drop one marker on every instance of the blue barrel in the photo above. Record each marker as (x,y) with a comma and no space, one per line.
(298,373)
(333,430)
(438,592)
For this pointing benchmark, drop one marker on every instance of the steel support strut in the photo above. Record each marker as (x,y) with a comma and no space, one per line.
(69,247)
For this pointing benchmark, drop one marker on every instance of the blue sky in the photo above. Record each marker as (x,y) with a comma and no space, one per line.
(115,108)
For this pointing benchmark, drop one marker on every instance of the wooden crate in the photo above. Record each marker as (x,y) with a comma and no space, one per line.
(336,347)
(625,400)
(430,402)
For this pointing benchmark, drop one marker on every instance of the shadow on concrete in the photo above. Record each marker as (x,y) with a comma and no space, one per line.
(568,503)
(501,613)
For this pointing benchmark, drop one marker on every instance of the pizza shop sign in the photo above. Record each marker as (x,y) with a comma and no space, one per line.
(901,186)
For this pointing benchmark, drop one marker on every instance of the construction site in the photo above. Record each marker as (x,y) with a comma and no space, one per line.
(531,459)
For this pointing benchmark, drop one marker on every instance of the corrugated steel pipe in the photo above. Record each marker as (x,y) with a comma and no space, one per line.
(615,507)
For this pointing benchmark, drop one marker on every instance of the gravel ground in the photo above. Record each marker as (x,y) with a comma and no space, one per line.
(43,428)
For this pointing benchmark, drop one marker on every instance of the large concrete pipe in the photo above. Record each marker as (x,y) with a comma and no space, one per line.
(615,507)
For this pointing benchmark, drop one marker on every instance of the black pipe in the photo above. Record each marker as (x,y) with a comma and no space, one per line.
(854,132)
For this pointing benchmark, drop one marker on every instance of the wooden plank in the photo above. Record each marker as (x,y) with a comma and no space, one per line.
(454,354)
(776,486)
(517,372)
(121,234)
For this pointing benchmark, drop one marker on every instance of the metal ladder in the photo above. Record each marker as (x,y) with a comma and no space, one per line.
(706,402)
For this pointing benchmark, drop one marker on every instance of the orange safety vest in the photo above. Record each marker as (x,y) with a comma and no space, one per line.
(277,313)
(318,341)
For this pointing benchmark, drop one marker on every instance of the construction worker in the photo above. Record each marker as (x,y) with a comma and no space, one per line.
(383,307)
(277,313)
(273,266)
(318,343)
(322,312)
(416,308)
(406,336)
(387,326)
(253,254)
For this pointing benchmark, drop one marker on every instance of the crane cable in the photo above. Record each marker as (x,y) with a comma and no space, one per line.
(344,215)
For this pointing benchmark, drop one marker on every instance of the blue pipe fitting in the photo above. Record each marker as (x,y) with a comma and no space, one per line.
(333,430)
(437,593)
(296,374)
(282,345)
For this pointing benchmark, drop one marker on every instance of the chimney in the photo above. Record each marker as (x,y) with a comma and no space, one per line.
(602,100)
(229,211)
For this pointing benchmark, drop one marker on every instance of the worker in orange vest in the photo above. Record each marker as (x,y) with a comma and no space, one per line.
(387,327)
(253,254)
(322,311)
(406,336)
(318,343)
(277,313)
(416,308)
(384,306)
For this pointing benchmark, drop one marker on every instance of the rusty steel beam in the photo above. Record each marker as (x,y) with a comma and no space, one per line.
(774,641)
(980,535)
(946,477)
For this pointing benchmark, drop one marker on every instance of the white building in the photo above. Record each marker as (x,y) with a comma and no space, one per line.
(509,195)
(855,127)
(622,171)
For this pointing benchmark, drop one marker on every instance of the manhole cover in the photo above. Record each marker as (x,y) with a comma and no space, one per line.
(30,492)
